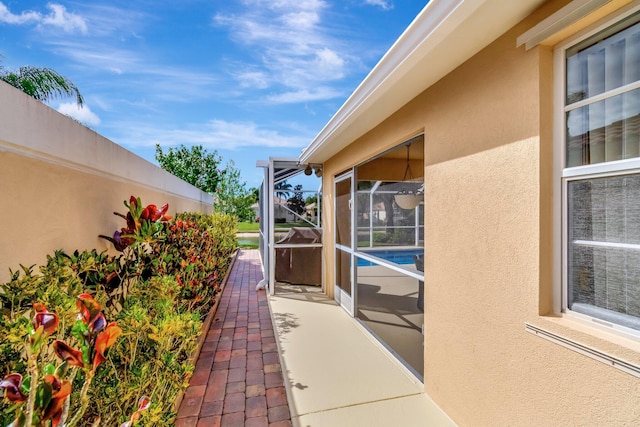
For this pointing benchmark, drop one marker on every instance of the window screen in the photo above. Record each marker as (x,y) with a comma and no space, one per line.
(604,248)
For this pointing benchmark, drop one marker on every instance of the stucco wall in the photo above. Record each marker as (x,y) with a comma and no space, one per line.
(61,182)
(489,252)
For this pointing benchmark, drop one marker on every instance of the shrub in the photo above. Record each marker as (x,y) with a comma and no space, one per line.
(42,397)
(151,357)
(157,289)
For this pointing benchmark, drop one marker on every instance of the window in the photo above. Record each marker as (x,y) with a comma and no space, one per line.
(601,176)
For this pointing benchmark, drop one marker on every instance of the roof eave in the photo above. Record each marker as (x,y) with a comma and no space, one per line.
(428,50)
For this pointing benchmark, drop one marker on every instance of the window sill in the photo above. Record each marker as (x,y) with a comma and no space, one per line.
(609,348)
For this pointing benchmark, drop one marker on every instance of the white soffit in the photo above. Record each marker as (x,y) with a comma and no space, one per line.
(444,35)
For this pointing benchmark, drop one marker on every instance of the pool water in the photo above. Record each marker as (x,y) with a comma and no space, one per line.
(398,256)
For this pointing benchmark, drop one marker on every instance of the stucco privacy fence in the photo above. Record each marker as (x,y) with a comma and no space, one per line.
(61,182)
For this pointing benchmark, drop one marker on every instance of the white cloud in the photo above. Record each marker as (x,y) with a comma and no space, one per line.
(329,61)
(287,4)
(107,20)
(9,18)
(215,134)
(96,55)
(57,17)
(137,71)
(293,49)
(300,19)
(253,79)
(101,55)
(231,135)
(383,4)
(304,95)
(82,114)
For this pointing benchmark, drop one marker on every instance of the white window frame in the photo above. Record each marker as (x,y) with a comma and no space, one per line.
(564,175)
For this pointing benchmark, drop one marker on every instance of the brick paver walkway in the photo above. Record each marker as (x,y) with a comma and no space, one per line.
(238,379)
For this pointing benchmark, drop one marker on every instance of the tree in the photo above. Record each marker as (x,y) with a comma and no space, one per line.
(283,189)
(255,194)
(296,202)
(200,168)
(43,84)
(194,165)
(388,201)
(232,197)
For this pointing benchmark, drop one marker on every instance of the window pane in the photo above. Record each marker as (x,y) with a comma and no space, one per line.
(604,248)
(603,62)
(604,131)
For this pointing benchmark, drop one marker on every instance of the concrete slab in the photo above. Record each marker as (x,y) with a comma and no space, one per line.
(408,411)
(336,374)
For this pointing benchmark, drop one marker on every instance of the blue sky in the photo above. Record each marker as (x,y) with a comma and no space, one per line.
(248,78)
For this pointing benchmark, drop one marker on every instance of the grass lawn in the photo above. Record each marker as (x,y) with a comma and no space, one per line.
(254,227)
(251,242)
(244,245)
(248,227)
(293,224)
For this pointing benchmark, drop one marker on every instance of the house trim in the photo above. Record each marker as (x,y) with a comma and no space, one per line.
(623,365)
(564,17)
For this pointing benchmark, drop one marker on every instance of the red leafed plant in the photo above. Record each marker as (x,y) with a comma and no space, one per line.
(143,404)
(143,223)
(44,393)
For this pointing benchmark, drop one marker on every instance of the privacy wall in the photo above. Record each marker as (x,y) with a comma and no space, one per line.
(60,183)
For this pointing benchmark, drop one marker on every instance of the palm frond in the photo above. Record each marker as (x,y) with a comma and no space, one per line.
(42,84)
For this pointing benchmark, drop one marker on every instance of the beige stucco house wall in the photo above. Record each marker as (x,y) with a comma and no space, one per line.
(489,241)
(61,182)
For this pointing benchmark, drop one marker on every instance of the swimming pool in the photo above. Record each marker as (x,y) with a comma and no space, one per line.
(398,256)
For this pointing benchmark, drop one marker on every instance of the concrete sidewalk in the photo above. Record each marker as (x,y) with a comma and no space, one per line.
(296,358)
(336,374)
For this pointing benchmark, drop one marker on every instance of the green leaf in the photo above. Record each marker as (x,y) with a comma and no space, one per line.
(49,369)
(25,387)
(43,84)
(43,395)
(80,330)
